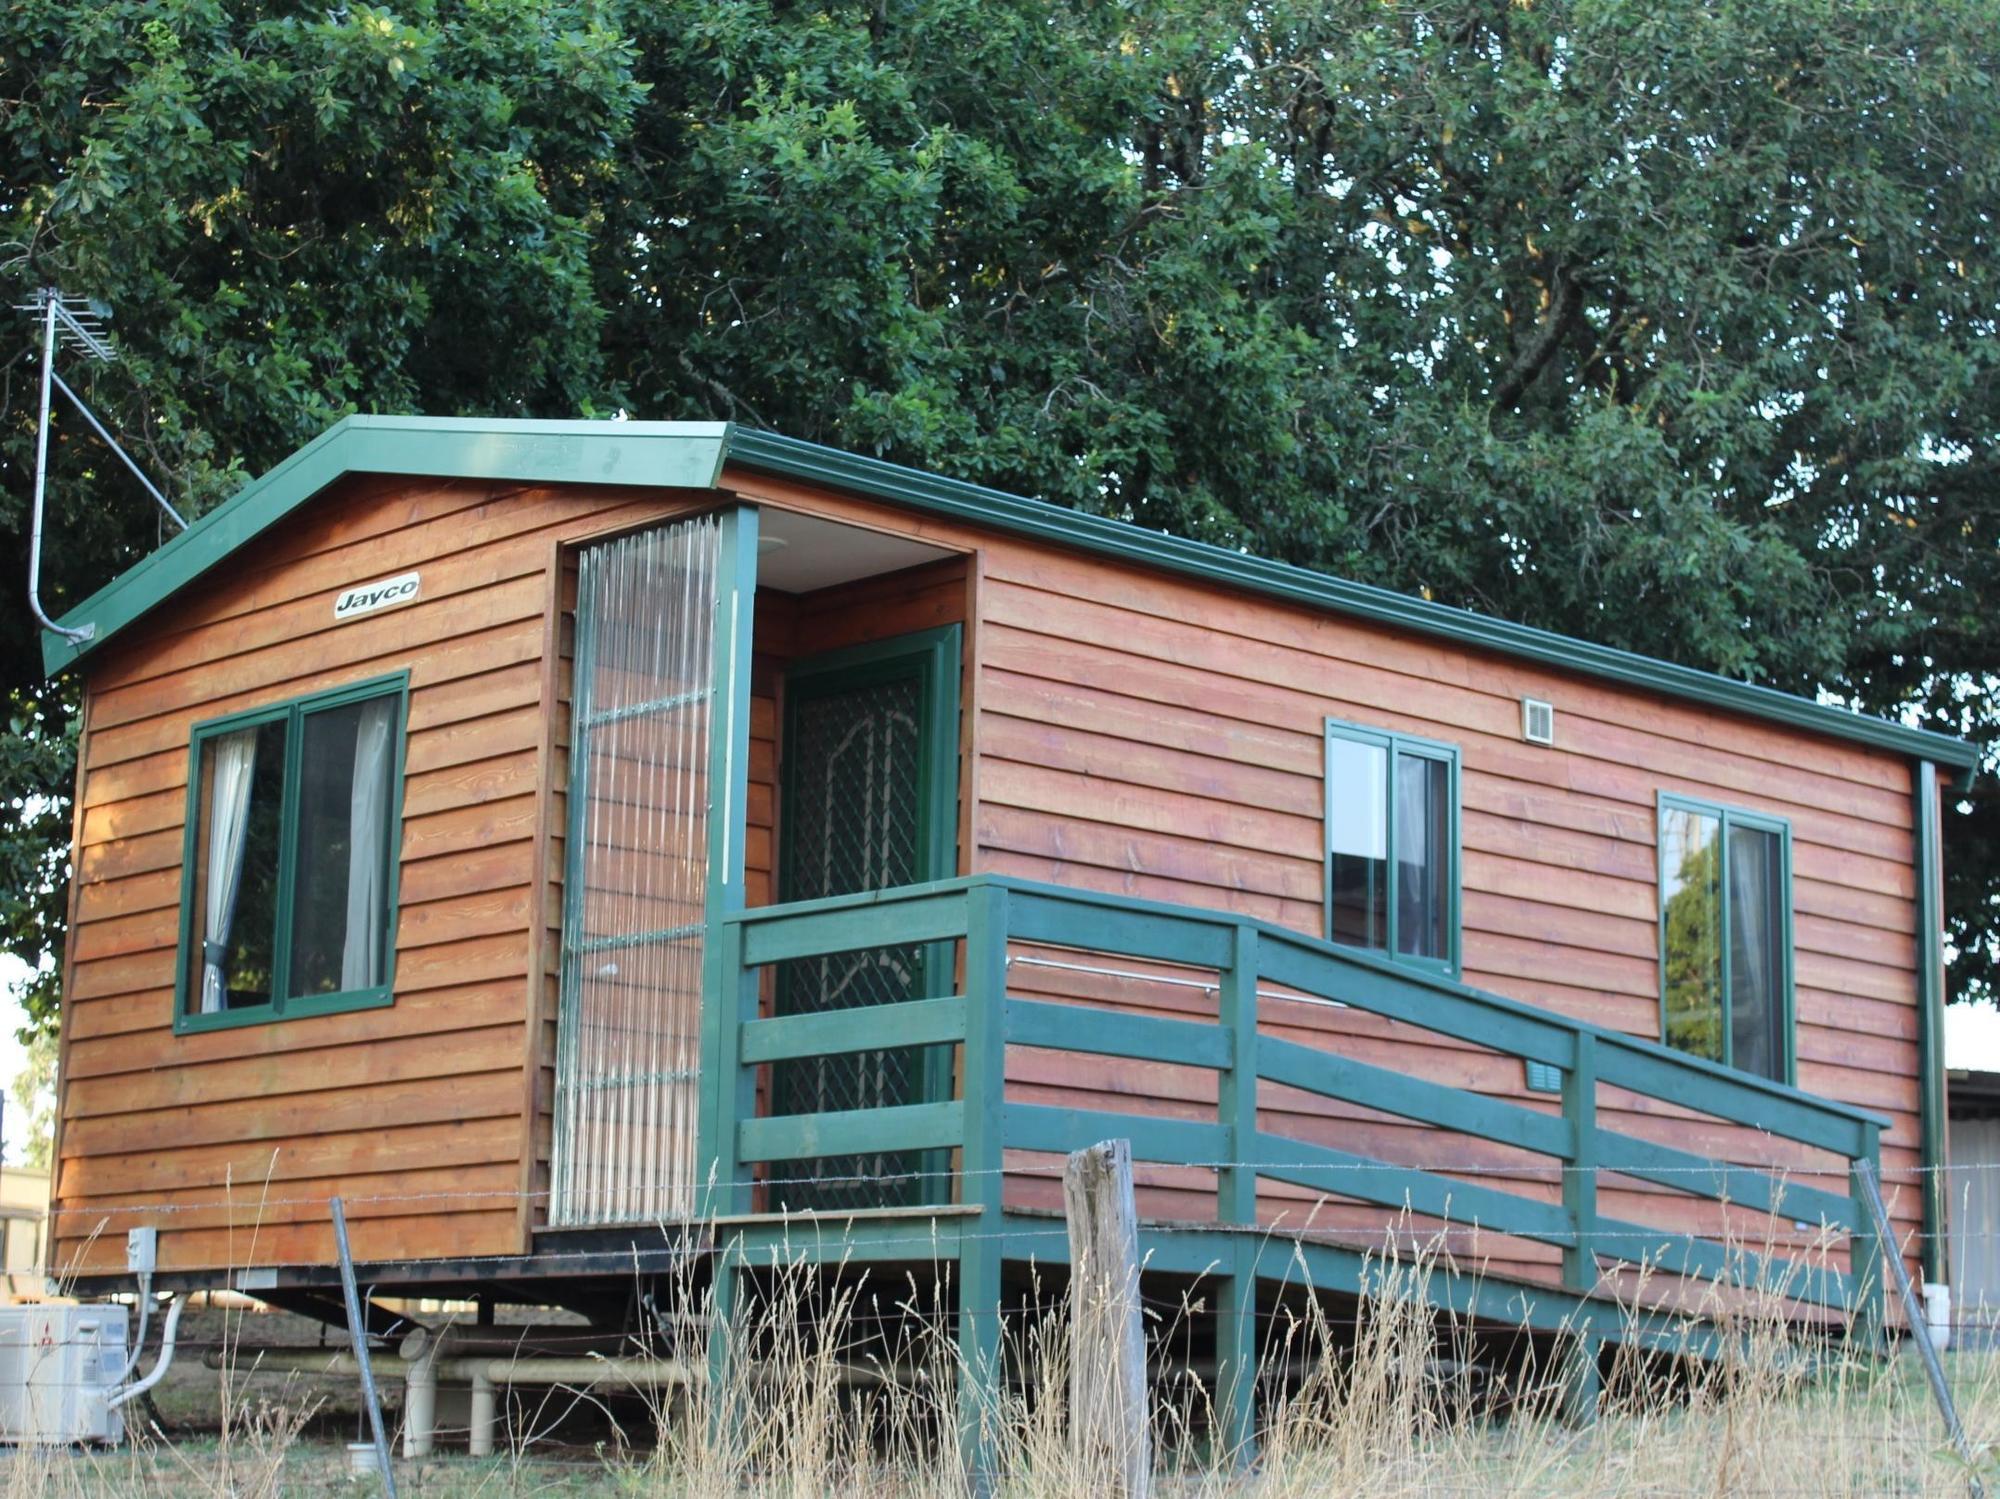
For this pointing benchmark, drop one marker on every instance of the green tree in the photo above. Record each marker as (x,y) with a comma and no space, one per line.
(294,214)
(1666,324)
(31,1119)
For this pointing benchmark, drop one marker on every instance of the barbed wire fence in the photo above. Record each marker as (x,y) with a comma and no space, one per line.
(261,1206)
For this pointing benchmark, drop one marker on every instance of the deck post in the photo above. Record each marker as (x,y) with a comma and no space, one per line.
(725,1092)
(1867,1266)
(725,1191)
(1583,1384)
(721,1088)
(1236,1206)
(1583,1378)
(981,1245)
(1579,1105)
(731,1087)
(724,1304)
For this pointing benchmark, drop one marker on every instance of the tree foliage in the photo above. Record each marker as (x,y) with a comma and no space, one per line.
(1666,324)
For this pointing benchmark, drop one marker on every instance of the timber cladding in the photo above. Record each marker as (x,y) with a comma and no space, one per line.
(1145,734)
(1124,730)
(233,1139)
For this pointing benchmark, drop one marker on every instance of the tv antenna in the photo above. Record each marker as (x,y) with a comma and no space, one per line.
(73,324)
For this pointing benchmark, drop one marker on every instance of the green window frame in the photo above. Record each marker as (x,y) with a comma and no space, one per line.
(1729,820)
(1396,749)
(292,713)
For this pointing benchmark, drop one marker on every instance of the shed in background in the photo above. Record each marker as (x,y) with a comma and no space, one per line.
(1973,1207)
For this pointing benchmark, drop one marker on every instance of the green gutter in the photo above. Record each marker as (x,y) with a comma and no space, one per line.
(788,457)
(1930,1018)
(650,454)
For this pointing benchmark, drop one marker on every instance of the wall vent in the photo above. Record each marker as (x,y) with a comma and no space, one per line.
(1538,721)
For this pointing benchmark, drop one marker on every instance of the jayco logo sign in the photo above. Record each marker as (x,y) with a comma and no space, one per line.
(369,596)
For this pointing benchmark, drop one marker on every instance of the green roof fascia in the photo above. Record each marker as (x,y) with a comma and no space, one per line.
(669,454)
(792,458)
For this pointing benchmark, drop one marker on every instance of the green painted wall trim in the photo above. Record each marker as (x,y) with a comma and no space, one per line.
(292,711)
(1930,1017)
(663,454)
(727,1092)
(693,455)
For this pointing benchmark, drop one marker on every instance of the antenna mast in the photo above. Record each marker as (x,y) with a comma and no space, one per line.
(72,323)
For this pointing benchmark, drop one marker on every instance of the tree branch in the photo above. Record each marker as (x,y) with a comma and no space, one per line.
(1533,359)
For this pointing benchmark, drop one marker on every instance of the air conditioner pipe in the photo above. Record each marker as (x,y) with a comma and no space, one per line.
(641,1373)
(160,1365)
(139,1343)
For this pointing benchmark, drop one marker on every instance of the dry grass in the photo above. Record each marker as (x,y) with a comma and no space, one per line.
(1383,1406)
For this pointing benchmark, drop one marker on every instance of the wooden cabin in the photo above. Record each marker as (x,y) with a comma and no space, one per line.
(556,837)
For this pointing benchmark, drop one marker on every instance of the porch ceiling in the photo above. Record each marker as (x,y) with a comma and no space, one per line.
(799,553)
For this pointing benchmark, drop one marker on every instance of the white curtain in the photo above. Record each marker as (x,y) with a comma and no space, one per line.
(367,855)
(234,758)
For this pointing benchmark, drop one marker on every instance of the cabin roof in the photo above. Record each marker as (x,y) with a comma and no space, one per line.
(694,454)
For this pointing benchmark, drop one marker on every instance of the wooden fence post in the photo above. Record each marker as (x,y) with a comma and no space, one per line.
(982,1373)
(1107,1381)
(1584,1384)
(1236,1206)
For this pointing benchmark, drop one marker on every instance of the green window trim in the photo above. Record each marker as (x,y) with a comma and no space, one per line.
(1728,818)
(1398,746)
(291,712)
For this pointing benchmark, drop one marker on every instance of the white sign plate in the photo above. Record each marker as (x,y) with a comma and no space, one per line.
(367,597)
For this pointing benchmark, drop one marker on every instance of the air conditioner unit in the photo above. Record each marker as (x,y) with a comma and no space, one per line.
(58,1366)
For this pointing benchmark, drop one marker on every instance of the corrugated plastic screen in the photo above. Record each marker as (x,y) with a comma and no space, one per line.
(628,1050)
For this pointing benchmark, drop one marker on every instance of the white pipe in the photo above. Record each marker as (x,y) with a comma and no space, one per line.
(639,1372)
(138,1343)
(484,1414)
(1937,1313)
(160,1365)
(420,1390)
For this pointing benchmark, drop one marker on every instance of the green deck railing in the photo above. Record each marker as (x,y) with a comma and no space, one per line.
(991,914)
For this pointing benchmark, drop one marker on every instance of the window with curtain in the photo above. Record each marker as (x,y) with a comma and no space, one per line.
(288,883)
(1725,936)
(1392,844)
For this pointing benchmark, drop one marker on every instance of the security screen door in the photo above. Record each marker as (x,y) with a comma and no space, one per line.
(628,1039)
(869,751)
